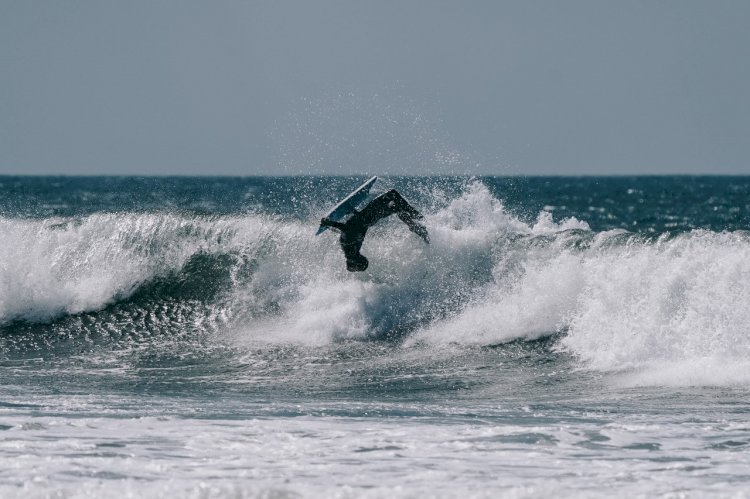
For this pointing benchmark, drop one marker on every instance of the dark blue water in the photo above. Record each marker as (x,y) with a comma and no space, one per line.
(192,337)
(654,204)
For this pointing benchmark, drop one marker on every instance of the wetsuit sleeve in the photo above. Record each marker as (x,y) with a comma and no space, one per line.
(326,222)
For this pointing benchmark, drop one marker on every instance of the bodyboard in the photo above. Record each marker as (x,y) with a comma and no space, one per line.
(348,204)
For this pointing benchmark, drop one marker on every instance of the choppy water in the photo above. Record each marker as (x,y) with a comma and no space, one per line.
(192,337)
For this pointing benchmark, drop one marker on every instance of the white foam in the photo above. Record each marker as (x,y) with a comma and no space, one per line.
(203,457)
(677,306)
(668,311)
(672,311)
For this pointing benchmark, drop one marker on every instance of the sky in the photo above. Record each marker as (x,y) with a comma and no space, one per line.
(531,87)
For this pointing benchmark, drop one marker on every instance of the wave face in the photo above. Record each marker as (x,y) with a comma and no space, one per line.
(663,304)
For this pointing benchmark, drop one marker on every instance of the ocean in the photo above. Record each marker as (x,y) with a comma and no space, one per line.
(192,337)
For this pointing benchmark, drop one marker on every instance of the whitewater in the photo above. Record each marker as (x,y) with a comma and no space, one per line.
(194,338)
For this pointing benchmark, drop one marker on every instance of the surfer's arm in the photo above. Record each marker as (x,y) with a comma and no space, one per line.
(327,222)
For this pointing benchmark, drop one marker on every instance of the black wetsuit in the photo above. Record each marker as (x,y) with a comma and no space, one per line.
(353,231)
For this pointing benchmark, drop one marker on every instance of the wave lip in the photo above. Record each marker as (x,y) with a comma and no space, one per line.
(57,267)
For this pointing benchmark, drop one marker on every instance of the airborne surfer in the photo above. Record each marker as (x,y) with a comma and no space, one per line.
(354,229)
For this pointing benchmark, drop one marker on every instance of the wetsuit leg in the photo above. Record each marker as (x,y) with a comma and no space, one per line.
(393,203)
(385,205)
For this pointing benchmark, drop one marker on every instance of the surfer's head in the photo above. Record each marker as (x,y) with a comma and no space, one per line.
(357,263)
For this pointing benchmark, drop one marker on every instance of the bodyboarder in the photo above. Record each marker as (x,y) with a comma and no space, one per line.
(354,229)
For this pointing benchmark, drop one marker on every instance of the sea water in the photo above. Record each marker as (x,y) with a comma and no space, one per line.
(192,337)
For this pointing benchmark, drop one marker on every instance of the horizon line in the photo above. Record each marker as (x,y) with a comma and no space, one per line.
(359,174)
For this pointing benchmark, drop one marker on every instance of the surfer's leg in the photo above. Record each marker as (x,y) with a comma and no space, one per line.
(379,208)
(386,205)
(409,215)
(394,203)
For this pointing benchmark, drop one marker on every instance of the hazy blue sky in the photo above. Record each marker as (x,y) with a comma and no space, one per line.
(500,87)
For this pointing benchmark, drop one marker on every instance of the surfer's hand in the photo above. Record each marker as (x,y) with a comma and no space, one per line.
(327,222)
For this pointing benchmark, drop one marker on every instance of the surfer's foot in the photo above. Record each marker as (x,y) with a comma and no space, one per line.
(410,217)
(420,230)
(413,213)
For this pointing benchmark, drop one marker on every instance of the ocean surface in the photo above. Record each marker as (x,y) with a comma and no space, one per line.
(191,337)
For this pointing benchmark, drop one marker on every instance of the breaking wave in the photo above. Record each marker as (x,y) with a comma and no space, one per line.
(661,310)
